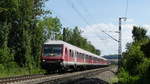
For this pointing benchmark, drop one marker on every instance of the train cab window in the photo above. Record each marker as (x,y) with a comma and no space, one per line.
(53,50)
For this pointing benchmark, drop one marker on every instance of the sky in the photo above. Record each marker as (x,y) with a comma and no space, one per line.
(95,16)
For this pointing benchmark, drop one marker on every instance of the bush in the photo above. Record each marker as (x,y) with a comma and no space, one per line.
(132,59)
(5,55)
(144,69)
(125,78)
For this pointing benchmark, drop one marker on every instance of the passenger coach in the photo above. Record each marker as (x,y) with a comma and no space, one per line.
(60,55)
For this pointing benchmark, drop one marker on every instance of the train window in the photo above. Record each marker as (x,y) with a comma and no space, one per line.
(81,55)
(94,58)
(69,52)
(78,54)
(86,56)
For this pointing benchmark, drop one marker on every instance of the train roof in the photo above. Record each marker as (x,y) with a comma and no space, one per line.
(72,47)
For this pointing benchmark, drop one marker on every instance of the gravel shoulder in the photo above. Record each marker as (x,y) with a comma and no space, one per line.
(107,77)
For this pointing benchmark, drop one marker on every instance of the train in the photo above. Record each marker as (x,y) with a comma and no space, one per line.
(61,56)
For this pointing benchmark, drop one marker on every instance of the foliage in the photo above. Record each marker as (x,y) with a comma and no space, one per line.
(132,59)
(73,36)
(138,33)
(145,48)
(126,78)
(18,31)
(135,68)
(48,26)
(12,69)
(144,69)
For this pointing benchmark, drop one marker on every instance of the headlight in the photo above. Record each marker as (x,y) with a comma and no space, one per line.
(43,60)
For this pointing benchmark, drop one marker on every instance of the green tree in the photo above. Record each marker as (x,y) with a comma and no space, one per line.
(74,37)
(136,63)
(5,54)
(133,57)
(139,33)
(145,48)
(22,17)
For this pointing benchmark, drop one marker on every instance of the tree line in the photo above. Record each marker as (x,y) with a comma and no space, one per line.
(135,65)
(24,27)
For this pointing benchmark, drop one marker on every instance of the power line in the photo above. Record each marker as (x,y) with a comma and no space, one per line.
(126,9)
(77,11)
(84,8)
(110,36)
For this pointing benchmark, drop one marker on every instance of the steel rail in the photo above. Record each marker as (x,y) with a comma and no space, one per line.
(51,79)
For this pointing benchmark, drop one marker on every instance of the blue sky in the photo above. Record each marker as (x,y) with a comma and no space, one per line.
(102,15)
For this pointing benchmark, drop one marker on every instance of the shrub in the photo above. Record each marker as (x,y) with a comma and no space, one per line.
(5,55)
(134,57)
(125,78)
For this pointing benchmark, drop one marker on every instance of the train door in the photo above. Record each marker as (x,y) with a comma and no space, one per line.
(71,55)
(75,57)
(84,58)
(66,55)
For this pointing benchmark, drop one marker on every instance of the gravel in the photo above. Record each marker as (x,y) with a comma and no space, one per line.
(101,78)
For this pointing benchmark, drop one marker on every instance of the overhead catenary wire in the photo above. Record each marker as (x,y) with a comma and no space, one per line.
(110,36)
(86,10)
(77,11)
(126,9)
(84,7)
(86,21)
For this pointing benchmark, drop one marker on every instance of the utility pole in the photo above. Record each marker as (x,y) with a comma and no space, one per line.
(120,37)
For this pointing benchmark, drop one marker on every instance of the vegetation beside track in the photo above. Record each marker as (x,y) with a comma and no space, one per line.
(11,70)
(135,65)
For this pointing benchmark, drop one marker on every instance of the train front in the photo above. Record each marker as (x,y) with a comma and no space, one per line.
(52,56)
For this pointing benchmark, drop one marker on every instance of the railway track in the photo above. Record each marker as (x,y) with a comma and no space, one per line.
(51,79)
(19,78)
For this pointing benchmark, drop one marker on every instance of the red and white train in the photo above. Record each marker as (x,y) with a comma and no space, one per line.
(60,55)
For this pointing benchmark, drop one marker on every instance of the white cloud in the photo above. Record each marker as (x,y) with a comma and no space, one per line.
(130,20)
(147,27)
(105,43)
